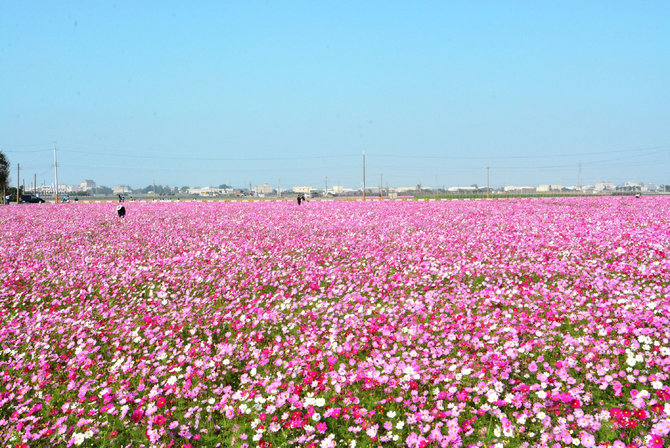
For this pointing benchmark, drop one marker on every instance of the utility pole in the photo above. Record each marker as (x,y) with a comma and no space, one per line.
(279,188)
(488,184)
(579,177)
(18,179)
(364,175)
(35,184)
(56,172)
(325,193)
(381,182)
(154,180)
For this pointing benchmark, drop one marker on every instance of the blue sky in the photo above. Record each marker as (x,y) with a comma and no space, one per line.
(204,93)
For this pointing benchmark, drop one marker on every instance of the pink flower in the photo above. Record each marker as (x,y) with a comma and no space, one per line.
(587,439)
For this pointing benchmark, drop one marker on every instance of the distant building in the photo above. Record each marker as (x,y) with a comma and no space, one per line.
(604,186)
(337,189)
(210,191)
(264,189)
(121,189)
(45,190)
(461,189)
(306,190)
(87,184)
(630,187)
(518,189)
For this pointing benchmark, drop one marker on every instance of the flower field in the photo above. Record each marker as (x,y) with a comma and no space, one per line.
(507,323)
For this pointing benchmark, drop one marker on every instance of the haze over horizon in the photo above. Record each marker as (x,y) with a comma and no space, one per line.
(433,92)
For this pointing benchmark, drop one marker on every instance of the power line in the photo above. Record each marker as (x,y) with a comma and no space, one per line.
(536,156)
(223,159)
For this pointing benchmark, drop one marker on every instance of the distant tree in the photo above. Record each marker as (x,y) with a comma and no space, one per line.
(104,190)
(157,189)
(11,191)
(224,186)
(184,189)
(4,172)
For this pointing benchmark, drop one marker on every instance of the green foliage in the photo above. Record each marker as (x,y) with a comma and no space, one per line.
(4,171)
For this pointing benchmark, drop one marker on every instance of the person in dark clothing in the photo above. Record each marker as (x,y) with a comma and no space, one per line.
(299,198)
(121,211)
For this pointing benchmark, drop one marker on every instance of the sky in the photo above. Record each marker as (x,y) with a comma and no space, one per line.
(205,93)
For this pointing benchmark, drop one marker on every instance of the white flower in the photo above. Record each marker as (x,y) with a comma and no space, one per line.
(541,394)
(78,438)
(319,402)
(401,424)
(391,414)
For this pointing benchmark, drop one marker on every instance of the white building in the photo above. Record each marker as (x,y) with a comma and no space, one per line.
(546,188)
(209,191)
(630,186)
(605,186)
(518,189)
(121,189)
(87,185)
(45,190)
(461,189)
(263,189)
(337,189)
(306,190)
